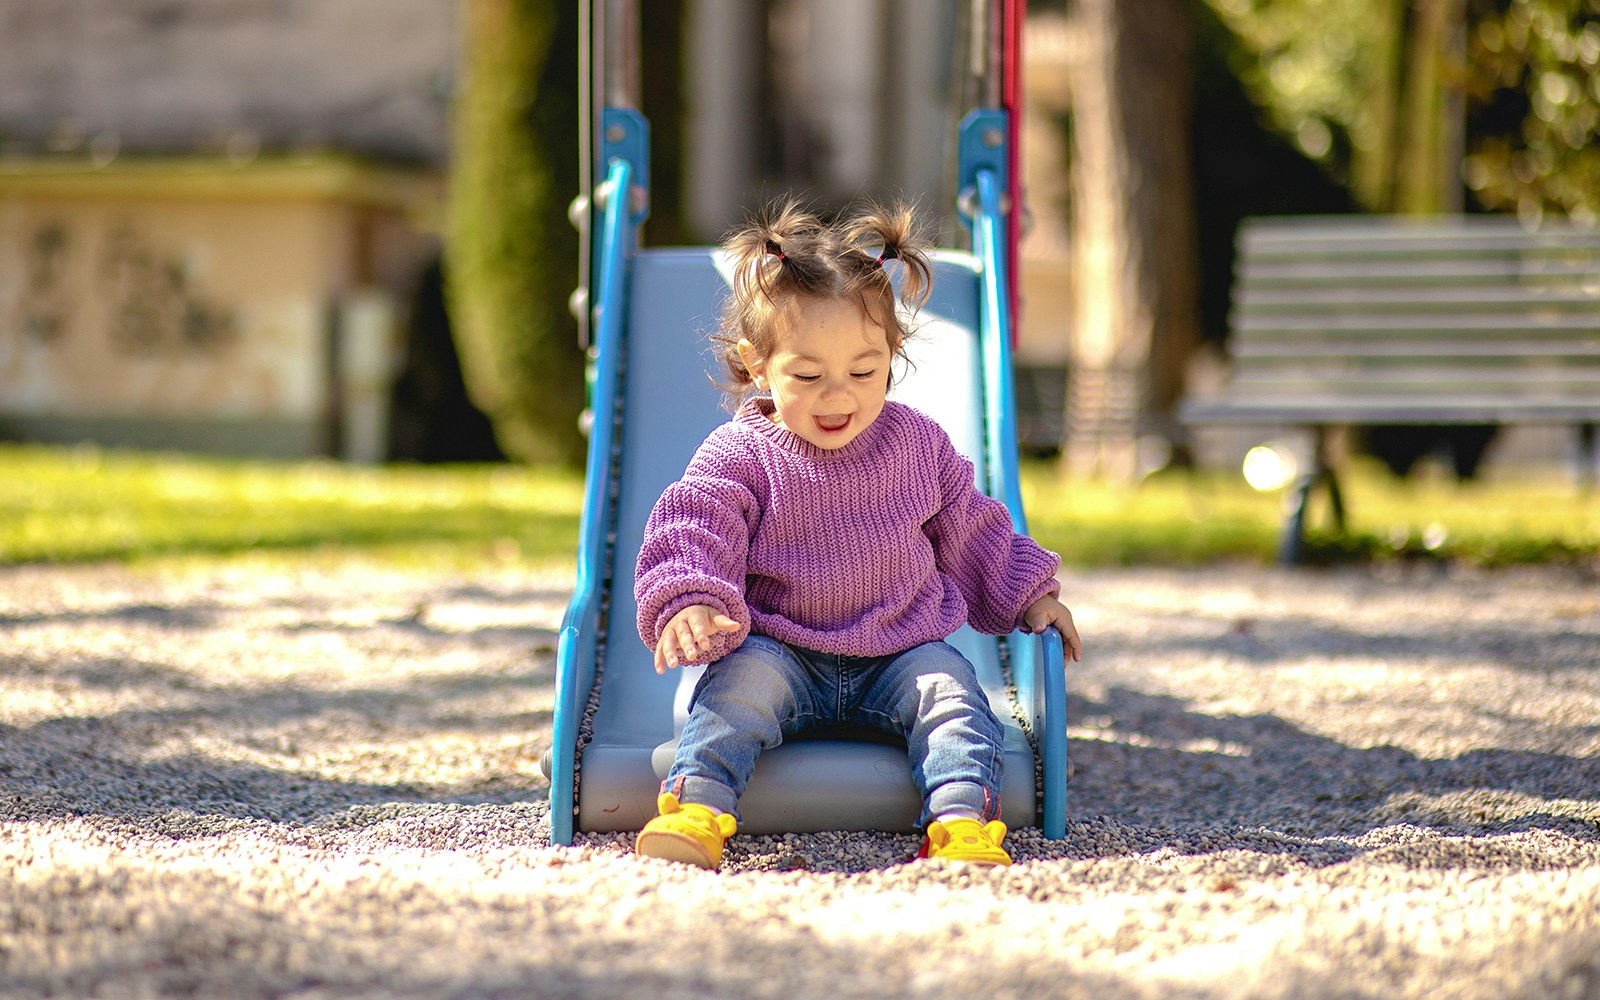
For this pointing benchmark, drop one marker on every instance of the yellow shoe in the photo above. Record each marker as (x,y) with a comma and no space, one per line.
(690,833)
(967,840)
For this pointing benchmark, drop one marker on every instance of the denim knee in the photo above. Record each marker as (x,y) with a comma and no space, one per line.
(953,740)
(745,704)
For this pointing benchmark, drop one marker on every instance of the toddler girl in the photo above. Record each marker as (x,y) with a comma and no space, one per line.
(824,542)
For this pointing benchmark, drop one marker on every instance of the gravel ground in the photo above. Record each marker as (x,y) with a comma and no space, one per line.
(270,780)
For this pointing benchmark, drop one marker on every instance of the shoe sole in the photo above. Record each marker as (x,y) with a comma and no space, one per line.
(974,862)
(674,847)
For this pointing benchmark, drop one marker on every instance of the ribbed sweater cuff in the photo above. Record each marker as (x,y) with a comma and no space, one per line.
(670,609)
(1049,588)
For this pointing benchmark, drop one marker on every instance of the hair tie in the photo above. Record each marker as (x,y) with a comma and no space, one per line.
(889,252)
(774,248)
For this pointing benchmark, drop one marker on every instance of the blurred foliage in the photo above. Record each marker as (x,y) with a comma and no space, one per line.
(511,258)
(1326,72)
(1311,63)
(1243,166)
(69,505)
(1536,66)
(1388,94)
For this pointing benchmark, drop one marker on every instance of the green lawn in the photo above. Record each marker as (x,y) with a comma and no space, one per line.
(1183,519)
(61,505)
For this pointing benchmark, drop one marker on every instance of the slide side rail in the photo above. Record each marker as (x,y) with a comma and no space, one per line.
(1038,666)
(577,643)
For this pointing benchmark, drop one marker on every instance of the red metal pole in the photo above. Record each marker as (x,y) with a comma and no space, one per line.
(1011,101)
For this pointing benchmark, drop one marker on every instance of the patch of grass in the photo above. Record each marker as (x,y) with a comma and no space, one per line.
(68,505)
(1167,520)
(1191,518)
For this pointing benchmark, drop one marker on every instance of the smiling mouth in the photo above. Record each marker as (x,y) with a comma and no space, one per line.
(833,424)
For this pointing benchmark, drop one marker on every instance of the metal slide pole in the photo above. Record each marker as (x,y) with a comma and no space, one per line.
(1011,104)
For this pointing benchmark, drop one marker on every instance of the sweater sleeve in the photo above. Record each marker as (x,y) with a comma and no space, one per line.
(696,544)
(999,572)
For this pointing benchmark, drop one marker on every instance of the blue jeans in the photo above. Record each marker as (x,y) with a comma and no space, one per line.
(765,690)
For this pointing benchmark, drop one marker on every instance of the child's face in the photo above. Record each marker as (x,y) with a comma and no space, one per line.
(830,371)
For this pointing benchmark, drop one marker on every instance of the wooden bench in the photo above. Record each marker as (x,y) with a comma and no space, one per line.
(1362,320)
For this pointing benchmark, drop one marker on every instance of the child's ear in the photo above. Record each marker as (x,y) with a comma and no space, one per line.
(753,363)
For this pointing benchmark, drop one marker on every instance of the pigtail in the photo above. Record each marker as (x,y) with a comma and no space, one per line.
(872,238)
(878,234)
(783,251)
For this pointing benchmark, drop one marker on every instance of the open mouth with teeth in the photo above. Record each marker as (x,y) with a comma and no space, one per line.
(833,423)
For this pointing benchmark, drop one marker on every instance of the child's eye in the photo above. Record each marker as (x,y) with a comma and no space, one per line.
(864,376)
(806,378)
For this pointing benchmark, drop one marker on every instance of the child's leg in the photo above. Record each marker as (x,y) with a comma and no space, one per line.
(746,703)
(930,695)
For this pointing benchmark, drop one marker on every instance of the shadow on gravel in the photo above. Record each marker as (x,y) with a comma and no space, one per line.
(192,615)
(1165,768)
(1283,639)
(316,615)
(150,763)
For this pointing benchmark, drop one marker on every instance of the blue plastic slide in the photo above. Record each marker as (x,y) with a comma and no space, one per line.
(654,400)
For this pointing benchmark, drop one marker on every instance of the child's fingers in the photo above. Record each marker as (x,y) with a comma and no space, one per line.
(704,625)
(688,635)
(686,642)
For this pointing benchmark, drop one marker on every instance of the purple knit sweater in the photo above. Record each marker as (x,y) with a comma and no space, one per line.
(865,550)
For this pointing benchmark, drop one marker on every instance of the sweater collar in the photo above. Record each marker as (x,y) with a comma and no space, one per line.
(756,415)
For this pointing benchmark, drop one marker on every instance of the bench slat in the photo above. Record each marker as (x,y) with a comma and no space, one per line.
(1386,410)
(1255,326)
(1367,237)
(1333,378)
(1446,271)
(1473,298)
(1255,352)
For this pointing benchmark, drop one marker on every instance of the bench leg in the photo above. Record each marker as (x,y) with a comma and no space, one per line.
(1292,541)
(1588,458)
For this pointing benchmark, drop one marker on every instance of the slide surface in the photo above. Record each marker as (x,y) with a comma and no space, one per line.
(668,403)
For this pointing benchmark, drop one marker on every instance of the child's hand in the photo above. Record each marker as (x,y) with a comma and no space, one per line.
(1047,611)
(687,637)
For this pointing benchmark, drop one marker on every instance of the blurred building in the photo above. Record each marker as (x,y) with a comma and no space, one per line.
(219,220)
(214,217)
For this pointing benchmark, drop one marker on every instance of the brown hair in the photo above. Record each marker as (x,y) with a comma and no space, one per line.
(787,253)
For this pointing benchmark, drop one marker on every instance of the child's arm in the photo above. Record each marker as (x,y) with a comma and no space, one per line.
(1000,573)
(693,556)
(1048,611)
(688,636)
(1007,579)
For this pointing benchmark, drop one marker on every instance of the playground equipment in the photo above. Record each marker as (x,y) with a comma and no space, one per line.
(646,314)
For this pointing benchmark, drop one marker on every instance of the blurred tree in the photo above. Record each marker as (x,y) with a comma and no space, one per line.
(1133,236)
(1535,88)
(511,256)
(1404,100)
(1243,166)
(1371,89)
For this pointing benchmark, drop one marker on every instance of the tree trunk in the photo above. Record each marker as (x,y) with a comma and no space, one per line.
(1133,231)
(511,257)
(1430,148)
(1372,160)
